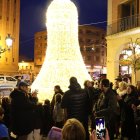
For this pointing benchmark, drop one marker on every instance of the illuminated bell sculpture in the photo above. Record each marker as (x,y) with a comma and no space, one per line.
(63,57)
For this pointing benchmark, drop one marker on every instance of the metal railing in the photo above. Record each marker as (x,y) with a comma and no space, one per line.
(124,24)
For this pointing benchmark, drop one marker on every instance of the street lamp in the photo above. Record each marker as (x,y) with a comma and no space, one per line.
(9,42)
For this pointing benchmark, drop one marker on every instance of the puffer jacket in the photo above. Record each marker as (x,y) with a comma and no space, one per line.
(76,102)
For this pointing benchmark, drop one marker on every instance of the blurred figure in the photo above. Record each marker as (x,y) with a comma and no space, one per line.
(58,112)
(91,93)
(106,106)
(126,79)
(47,118)
(118,79)
(33,96)
(38,115)
(3,129)
(121,91)
(22,113)
(76,104)
(6,107)
(57,89)
(73,130)
(128,127)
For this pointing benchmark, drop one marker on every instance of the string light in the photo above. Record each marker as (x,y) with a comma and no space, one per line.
(63,58)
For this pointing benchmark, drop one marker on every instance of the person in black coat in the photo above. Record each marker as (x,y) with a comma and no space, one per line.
(6,106)
(128,126)
(22,112)
(76,104)
(106,107)
(47,118)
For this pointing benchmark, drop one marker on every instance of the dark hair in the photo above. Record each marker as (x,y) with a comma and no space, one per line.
(134,90)
(47,102)
(105,82)
(85,83)
(73,80)
(58,88)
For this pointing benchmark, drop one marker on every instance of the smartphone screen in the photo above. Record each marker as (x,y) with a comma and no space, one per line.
(100,127)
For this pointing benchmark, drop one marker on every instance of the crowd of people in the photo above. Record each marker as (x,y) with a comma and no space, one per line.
(22,117)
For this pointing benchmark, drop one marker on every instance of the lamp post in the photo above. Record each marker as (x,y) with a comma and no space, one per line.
(9,42)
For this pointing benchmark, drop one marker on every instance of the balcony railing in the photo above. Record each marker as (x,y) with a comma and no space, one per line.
(124,24)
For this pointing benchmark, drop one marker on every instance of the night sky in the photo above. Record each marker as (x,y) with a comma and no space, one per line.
(33,19)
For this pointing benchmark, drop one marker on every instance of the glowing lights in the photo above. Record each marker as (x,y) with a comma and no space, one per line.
(63,56)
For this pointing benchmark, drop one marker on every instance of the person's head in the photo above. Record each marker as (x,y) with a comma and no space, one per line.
(23,86)
(87,84)
(47,102)
(58,98)
(118,79)
(131,89)
(111,85)
(125,79)
(73,130)
(1,113)
(5,101)
(34,93)
(104,84)
(122,86)
(57,89)
(73,80)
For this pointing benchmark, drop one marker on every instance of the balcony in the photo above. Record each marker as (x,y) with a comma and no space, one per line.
(124,24)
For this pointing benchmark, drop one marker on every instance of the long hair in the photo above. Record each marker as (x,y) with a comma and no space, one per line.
(73,130)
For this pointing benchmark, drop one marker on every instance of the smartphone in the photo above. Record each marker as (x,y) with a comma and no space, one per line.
(55,134)
(100,127)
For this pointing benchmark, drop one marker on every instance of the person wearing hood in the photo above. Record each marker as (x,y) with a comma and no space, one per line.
(76,104)
(22,112)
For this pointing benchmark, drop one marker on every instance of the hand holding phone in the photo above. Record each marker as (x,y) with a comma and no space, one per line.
(94,136)
(100,127)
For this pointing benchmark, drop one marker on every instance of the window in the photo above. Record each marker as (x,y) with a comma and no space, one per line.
(26,67)
(30,67)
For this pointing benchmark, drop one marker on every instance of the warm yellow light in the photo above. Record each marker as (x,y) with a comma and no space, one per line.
(63,57)
(9,41)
